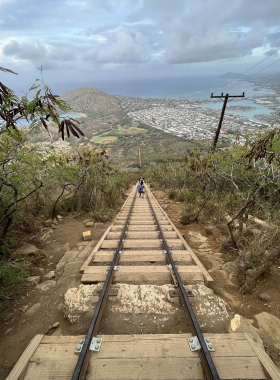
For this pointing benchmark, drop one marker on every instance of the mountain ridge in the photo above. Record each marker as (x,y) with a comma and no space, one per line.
(91,99)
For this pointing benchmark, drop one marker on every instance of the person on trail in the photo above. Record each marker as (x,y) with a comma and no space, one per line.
(141,180)
(141,191)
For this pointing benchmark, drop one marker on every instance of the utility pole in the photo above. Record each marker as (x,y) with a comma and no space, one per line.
(222,114)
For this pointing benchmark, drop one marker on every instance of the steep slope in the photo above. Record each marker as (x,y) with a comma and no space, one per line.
(90,99)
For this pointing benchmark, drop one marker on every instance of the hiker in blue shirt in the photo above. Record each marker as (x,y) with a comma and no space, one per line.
(141,190)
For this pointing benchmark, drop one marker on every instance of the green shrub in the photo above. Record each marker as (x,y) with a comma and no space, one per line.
(11,273)
(172,194)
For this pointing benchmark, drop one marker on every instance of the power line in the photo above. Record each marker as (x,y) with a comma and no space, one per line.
(245,80)
(238,76)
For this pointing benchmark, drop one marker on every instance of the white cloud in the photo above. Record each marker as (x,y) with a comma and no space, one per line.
(125,49)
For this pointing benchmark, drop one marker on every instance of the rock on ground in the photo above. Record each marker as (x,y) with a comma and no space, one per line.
(264,297)
(33,310)
(240,325)
(269,328)
(229,267)
(29,250)
(211,311)
(34,279)
(50,274)
(46,285)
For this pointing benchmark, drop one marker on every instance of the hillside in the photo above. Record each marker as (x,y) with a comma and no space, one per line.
(106,126)
(91,100)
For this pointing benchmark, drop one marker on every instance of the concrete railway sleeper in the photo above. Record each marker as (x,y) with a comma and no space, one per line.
(142,251)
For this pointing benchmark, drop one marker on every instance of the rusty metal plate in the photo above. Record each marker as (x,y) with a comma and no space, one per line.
(112,292)
(174,293)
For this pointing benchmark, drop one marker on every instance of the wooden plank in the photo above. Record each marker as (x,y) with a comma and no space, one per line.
(52,369)
(239,368)
(62,339)
(157,368)
(142,274)
(141,218)
(158,345)
(141,214)
(133,256)
(207,277)
(19,369)
(145,368)
(270,368)
(121,222)
(138,208)
(141,223)
(160,356)
(141,235)
(148,228)
(140,227)
(101,369)
(141,243)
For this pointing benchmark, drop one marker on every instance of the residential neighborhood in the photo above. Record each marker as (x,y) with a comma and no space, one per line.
(187,118)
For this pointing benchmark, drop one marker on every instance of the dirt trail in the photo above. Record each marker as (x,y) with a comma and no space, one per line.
(65,253)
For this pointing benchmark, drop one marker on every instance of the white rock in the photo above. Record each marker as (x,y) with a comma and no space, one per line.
(34,279)
(50,274)
(240,325)
(47,285)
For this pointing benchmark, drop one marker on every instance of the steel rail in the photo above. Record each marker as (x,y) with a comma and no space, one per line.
(84,357)
(205,357)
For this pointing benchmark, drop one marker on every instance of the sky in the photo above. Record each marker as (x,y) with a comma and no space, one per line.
(87,42)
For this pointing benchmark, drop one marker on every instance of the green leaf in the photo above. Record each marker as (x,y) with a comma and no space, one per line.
(7,71)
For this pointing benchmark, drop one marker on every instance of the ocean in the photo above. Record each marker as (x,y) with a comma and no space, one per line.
(177,88)
(198,88)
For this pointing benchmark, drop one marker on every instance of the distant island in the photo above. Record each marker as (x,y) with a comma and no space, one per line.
(241,108)
(229,75)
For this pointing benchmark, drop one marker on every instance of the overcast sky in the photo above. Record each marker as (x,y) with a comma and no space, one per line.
(86,42)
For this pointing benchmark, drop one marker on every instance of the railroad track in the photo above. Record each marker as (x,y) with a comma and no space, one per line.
(143,246)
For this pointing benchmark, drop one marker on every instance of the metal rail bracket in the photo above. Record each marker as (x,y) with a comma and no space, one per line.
(79,347)
(95,344)
(169,266)
(209,344)
(115,268)
(195,345)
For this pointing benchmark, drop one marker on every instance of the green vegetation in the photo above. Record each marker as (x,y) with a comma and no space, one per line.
(34,183)
(239,188)
(11,273)
(98,113)
(103,139)
(131,131)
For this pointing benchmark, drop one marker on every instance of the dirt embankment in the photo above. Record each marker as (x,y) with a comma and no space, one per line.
(208,249)
(32,310)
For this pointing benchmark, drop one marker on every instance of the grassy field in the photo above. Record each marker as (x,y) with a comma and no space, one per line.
(131,131)
(105,139)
